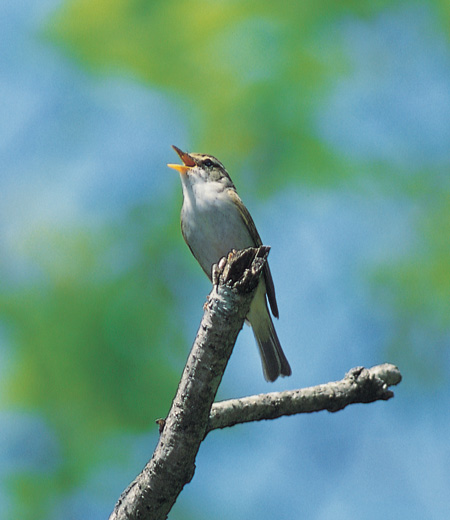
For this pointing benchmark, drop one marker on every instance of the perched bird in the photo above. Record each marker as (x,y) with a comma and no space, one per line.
(213,222)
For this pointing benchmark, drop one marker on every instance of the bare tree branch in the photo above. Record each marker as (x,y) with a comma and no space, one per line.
(154,491)
(360,385)
(192,415)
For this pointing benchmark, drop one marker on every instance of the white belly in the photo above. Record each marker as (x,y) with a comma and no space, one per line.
(212,226)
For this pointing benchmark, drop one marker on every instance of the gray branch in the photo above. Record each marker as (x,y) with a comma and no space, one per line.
(154,491)
(192,415)
(360,385)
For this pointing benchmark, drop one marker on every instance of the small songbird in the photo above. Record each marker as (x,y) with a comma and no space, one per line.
(214,221)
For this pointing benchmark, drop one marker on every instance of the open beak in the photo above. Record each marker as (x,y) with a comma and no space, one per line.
(188,161)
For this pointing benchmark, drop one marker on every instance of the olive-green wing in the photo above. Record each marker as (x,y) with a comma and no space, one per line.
(248,221)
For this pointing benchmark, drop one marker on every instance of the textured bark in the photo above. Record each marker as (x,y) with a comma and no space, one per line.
(154,491)
(192,415)
(360,385)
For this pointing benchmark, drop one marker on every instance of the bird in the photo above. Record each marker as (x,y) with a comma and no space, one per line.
(214,221)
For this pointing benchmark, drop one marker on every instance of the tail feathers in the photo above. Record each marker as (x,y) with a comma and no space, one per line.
(273,360)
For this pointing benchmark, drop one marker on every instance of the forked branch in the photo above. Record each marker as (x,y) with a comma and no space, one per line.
(192,415)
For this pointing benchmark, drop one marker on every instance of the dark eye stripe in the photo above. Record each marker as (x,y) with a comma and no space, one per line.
(208,163)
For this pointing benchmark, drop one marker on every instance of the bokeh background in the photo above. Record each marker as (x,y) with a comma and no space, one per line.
(333,119)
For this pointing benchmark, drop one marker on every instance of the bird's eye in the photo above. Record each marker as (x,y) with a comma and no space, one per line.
(208,163)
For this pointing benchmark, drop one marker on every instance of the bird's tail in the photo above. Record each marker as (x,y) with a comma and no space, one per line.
(273,360)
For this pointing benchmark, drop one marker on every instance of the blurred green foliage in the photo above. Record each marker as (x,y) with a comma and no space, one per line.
(250,76)
(94,337)
(252,72)
(417,289)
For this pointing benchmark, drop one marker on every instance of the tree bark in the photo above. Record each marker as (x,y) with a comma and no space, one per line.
(192,415)
(152,494)
(360,385)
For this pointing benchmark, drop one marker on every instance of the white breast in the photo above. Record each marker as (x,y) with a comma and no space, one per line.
(212,223)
